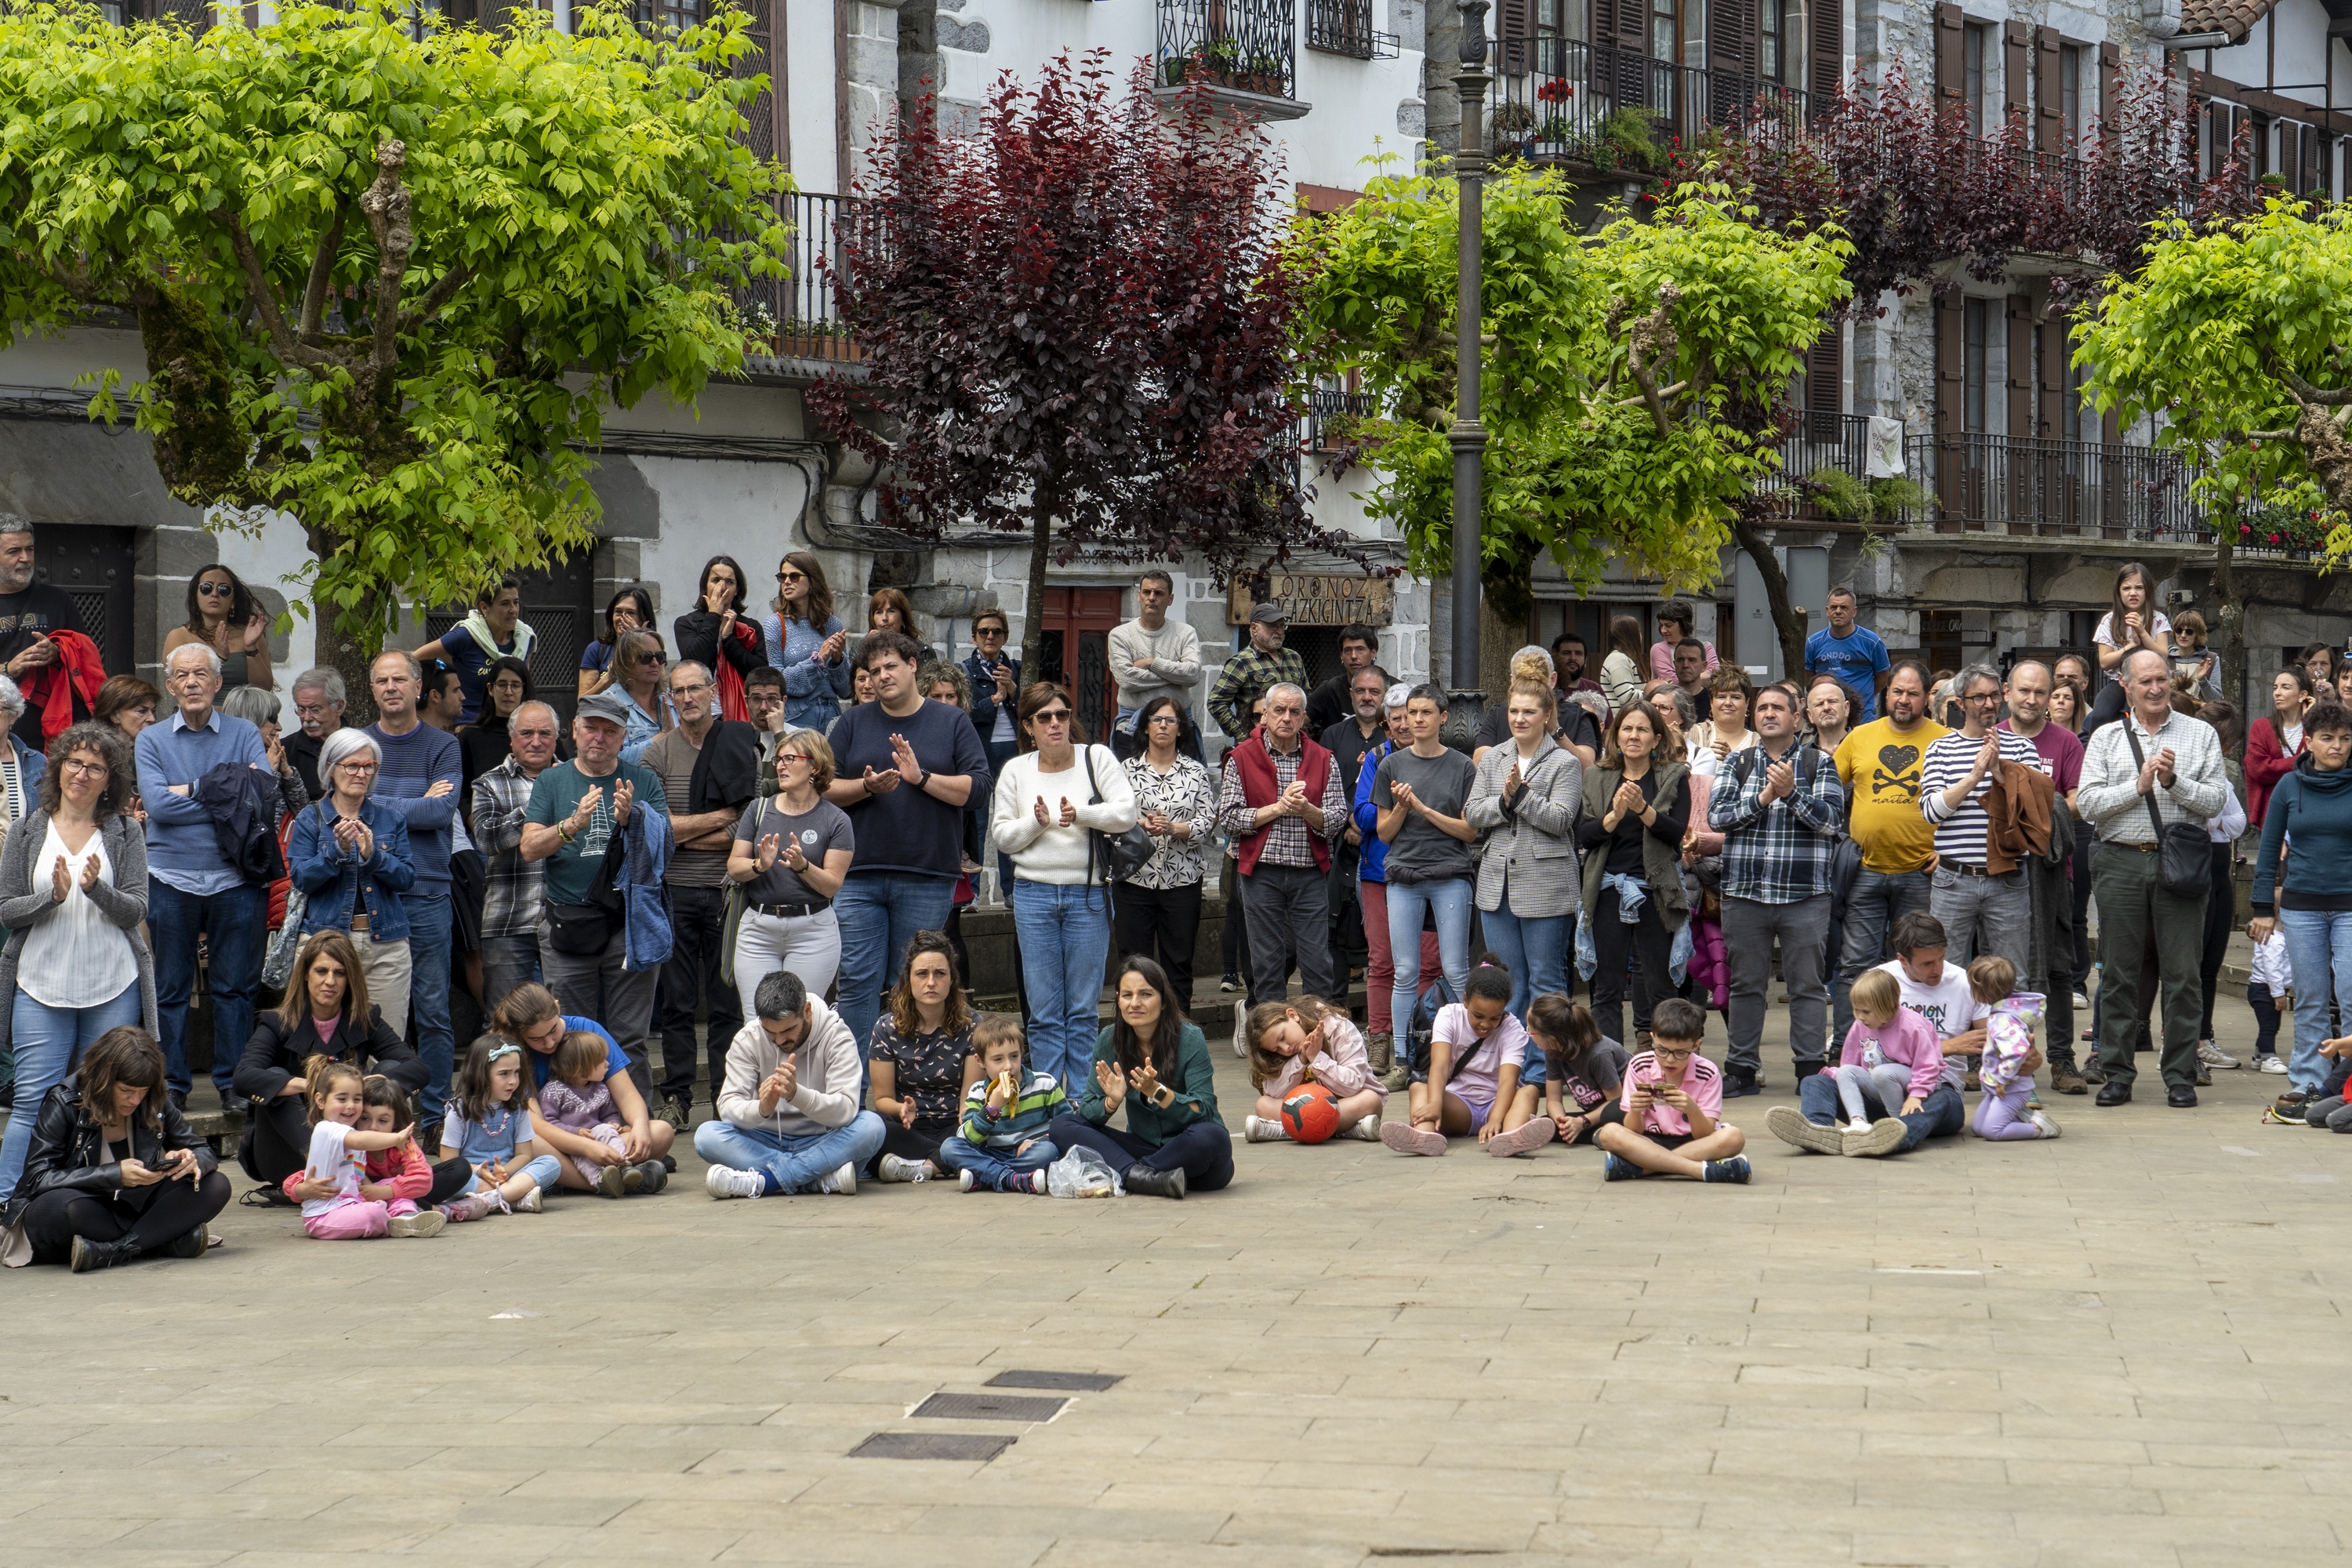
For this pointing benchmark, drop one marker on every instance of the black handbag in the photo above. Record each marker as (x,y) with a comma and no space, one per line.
(2184,864)
(1124,854)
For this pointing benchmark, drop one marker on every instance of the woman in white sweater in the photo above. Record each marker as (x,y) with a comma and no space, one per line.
(1052,802)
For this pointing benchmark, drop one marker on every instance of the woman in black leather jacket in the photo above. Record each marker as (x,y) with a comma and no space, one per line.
(326,983)
(115,1172)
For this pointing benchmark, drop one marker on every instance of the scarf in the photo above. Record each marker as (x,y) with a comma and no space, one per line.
(479,630)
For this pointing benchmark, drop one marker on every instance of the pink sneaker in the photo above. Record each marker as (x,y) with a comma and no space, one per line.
(1406,1138)
(1525,1139)
(470,1207)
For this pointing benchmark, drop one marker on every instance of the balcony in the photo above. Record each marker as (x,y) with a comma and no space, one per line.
(794,318)
(1246,50)
(2027,487)
(1816,443)
(1345,27)
(1330,413)
(1553,99)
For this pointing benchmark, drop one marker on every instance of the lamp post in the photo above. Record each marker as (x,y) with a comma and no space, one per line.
(1468,437)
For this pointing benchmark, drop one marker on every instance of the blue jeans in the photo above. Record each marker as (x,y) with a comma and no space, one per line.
(1940,1115)
(1064,933)
(1451,900)
(2318,949)
(1879,899)
(48,1041)
(879,913)
(1537,951)
(237,923)
(795,1161)
(545,1170)
(990,1167)
(428,997)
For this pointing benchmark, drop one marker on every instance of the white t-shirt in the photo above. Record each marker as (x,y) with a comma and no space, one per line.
(77,957)
(331,1162)
(1948,1006)
(2105,638)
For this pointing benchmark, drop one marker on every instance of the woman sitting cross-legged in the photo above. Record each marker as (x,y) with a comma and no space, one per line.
(922,1062)
(114,1172)
(1155,1064)
(327,1012)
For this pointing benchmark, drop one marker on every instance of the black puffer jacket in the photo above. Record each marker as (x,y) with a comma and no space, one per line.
(276,1053)
(69,1150)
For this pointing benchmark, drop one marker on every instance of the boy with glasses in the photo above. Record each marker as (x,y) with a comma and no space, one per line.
(1668,1121)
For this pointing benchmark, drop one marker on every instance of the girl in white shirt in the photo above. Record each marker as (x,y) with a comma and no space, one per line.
(2132,623)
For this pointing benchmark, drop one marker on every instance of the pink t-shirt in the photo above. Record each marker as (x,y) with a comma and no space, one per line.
(1484,1066)
(1662,661)
(1702,1080)
(1907,1038)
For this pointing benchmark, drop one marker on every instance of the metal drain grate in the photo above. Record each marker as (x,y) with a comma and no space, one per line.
(955,1446)
(987,1407)
(1077,1382)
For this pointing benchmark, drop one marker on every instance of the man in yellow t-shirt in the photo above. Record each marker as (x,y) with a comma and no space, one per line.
(1879,764)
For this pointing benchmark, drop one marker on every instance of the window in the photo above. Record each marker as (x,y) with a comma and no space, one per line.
(1978,314)
(2069,91)
(1974,41)
(1551,59)
(2070,406)
(1664,29)
(1768,54)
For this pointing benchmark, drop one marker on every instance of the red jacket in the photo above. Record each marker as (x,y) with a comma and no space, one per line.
(1261,786)
(61,693)
(2267,763)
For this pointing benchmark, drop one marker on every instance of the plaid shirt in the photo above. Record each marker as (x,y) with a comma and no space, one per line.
(1286,841)
(1780,853)
(513,886)
(1246,677)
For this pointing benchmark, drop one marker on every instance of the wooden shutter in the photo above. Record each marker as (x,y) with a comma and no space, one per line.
(2049,91)
(1951,64)
(2310,163)
(2016,52)
(1951,364)
(2111,72)
(1514,28)
(1824,51)
(2051,417)
(2021,365)
(1825,376)
(1734,44)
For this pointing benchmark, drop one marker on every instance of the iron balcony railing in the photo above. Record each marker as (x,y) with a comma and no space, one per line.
(1817,443)
(794,317)
(1329,413)
(1246,45)
(1345,27)
(1552,100)
(2031,487)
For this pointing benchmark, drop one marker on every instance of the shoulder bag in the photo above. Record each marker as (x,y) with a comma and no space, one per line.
(2183,858)
(286,941)
(1124,854)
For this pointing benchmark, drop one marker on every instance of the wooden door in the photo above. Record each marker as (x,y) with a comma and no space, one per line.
(1075,651)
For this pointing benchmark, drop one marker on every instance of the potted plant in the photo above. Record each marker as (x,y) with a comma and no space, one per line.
(1551,142)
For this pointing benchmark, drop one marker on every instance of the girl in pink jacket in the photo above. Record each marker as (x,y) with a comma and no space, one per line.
(1290,1042)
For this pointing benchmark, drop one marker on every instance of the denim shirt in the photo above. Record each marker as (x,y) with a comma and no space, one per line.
(813,688)
(331,877)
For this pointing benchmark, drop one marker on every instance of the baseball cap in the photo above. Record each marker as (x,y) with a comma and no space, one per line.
(1268,613)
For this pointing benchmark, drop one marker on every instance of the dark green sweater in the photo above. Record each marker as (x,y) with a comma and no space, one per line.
(1194,1083)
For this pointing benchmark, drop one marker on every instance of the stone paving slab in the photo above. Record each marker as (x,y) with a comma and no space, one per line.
(2115,1348)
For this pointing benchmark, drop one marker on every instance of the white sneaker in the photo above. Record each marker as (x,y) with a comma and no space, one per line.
(2273,1062)
(2213,1056)
(893,1169)
(1240,1049)
(1258,1129)
(964,1181)
(1368,1128)
(1859,1124)
(528,1203)
(724,1182)
(2043,1120)
(843,1182)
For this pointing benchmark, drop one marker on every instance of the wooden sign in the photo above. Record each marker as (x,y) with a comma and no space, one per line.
(1318,601)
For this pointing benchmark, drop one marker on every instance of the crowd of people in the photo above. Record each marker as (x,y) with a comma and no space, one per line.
(745,860)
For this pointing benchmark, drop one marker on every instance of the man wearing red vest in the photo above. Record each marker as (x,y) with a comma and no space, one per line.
(1273,781)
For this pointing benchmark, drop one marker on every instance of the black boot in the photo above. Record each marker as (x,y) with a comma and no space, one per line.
(89,1255)
(1142,1181)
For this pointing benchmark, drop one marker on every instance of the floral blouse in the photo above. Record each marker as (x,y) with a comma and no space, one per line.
(1183,793)
(929,1067)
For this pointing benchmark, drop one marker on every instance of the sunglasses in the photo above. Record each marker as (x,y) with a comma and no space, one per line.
(1051,716)
(217,590)
(792,576)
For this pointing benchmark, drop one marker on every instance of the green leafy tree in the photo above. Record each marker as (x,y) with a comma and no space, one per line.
(1628,384)
(2231,340)
(385,283)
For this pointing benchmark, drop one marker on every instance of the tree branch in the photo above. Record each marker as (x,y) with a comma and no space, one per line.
(2305,392)
(443,290)
(264,296)
(322,267)
(1649,342)
(386,204)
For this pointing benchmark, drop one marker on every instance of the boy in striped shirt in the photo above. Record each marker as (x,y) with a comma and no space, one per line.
(1001,1145)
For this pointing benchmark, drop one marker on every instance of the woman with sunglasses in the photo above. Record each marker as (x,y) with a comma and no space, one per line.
(628,610)
(224,615)
(638,663)
(1051,802)
(805,640)
(1160,905)
(790,853)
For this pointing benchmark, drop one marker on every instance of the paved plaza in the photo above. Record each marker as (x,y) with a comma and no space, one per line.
(2122,1347)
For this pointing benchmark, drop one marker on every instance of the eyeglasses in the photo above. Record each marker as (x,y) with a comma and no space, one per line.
(979,632)
(803,757)
(689,690)
(1671,1051)
(77,767)
(217,590)
(1168,718)
(792,576)
(1051,716)
(649,659)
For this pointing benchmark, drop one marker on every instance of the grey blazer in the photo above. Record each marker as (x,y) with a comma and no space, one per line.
(25,902)
(1529,848)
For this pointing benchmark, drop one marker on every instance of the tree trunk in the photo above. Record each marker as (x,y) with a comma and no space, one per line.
(1503,627)
(1033,625)
(340,651)
(2228,622)
(1776,591)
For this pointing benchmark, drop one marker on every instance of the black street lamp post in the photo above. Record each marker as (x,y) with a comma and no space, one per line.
(1468,435)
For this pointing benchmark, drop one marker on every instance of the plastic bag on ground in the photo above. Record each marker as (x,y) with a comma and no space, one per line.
(1082,1173)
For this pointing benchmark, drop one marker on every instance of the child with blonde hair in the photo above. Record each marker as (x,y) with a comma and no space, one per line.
(339,1203)
(575,1100)
(1291,1043)
(2005,1113)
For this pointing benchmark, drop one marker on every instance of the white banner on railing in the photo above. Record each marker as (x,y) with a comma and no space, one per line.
(1882,449)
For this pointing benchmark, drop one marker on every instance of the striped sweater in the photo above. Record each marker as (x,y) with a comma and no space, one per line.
(1030,1115)
(1961,830)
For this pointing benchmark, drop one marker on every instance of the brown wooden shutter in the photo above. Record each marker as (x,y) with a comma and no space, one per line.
(2048,92)
(1514,26)
(1825,374)
(1824,52)
(2310,165)
(1951,64)
(1951,364)
(2016,51)
(2111,91)
(1735,44)
(2021,365)
(2050,419)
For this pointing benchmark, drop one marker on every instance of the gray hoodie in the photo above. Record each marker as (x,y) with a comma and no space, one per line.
(829,1081)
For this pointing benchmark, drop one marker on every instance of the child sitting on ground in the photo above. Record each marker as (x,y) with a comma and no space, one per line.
(1672,1104)
(1001,1144)
(1890,1063)
(574,1099)
(1471,1083)
(1581,1066)
(1291,1043)
(2004,1114)
(397,1177)
(488,1125)
(331,1186)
